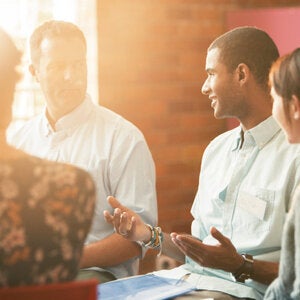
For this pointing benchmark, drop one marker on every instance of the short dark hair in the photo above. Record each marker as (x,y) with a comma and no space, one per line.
(285,77)
(248,45)
(53,29)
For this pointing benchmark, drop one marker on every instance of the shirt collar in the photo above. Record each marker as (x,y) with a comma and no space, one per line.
(264,131)
(261,133)
(77,116)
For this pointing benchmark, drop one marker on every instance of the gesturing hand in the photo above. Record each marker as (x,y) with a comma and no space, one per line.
(126,222)
(223,255)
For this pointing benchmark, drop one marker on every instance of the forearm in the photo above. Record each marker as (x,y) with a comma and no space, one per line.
(264,272)
(261,271)
(110,251)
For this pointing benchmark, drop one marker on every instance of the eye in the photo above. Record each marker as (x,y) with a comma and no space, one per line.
(210,73)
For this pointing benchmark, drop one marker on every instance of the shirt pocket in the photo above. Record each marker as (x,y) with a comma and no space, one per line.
(254,210)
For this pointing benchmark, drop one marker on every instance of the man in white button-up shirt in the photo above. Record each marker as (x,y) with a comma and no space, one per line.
(247,179)
(74,130)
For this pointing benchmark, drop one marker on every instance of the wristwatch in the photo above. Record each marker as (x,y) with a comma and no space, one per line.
(245,271)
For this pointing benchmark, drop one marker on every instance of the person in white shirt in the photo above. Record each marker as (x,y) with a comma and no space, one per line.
(74,130)
(247,178)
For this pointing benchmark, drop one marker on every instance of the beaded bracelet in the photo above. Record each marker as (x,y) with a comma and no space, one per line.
(155,240)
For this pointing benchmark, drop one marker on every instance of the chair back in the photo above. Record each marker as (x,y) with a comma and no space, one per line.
(73,290)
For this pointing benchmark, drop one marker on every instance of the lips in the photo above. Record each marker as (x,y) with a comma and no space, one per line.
(213,102)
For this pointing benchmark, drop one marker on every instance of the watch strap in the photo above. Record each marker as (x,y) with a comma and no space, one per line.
(245,271)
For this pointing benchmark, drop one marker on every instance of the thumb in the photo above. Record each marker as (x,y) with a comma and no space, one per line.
(218,235)
(114,203)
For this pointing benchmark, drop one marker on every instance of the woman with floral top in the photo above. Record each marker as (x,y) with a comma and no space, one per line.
(45,207)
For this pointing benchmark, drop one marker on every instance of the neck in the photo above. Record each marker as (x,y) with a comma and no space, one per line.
(259,107)
(256,115)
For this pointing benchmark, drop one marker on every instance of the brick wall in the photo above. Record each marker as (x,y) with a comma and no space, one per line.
(151,68)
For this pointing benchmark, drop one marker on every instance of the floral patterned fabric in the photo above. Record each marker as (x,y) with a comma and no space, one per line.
(46,210)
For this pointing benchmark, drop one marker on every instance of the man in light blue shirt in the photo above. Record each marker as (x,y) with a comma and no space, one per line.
(244,192)
(247,178)
(73,129)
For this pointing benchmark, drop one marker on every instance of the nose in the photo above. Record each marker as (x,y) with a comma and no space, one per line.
(205,88)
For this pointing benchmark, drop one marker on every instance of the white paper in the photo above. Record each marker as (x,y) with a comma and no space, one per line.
(253,205)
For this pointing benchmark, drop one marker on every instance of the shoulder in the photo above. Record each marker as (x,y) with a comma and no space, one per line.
(30,123)
(116,123)
(15,133)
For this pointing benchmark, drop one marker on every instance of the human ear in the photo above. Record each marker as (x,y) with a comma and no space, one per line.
(33,72)
(242,71)
(295,107)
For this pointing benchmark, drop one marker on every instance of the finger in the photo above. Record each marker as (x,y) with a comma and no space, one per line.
(180,246)
(176,240)
(219,236)
(130,220)
(173,235)
(116,219)
(191,242)
(190,252)
(133,224)
(125,225)
(114,203)
(182,242)
(108,217)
